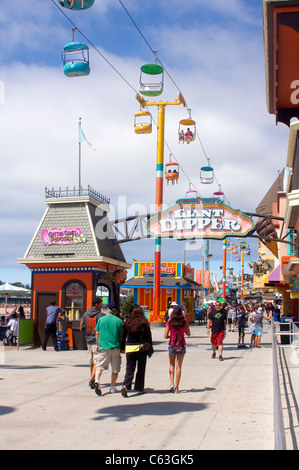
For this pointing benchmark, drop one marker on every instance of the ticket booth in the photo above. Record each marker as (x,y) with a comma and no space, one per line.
(72,260)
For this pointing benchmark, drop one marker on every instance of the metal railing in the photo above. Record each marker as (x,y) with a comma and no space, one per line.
(289,339)
(279,430)
(68,192)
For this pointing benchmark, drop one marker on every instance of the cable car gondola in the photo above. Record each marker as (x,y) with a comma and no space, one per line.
(75,58)
(172,172)
(187,129)
(76,4)
(151,80)
(191,193)
(219,194)
(206,175)
(143,122)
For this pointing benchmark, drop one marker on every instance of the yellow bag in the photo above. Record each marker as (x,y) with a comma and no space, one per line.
(133,348)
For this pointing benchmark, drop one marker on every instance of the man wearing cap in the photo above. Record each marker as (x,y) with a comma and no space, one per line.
(108,332)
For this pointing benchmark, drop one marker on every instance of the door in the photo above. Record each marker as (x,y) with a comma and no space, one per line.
(43,300)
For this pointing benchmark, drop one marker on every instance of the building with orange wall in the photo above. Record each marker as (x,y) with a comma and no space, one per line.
(72,259)
(177,285)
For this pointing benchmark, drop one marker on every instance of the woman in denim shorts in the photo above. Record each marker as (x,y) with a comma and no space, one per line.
(177,323)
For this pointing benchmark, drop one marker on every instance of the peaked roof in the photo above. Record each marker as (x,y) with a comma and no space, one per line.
(74,229)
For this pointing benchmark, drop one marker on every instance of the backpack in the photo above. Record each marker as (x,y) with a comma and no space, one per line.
(166,316)
(91,325)
(177,343)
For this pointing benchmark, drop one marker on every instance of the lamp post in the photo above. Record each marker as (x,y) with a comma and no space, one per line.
(159,188)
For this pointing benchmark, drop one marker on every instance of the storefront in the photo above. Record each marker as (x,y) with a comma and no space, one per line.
(72,260)
(177,285)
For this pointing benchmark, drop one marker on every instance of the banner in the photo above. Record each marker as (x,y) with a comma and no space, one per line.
(200,218)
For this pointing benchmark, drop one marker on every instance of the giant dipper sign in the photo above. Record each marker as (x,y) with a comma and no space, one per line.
(200,218)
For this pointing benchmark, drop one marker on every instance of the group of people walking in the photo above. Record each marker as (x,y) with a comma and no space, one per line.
(108,336)
(232,315)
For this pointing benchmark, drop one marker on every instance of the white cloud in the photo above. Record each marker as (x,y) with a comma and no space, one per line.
(220,72)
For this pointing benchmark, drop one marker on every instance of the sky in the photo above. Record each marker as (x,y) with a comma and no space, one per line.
(213,53)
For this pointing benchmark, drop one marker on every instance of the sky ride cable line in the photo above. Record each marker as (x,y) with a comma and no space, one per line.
(125,80)
(170,77)
(114,68)
(94,46)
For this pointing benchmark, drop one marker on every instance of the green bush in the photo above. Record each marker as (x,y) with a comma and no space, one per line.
(128,305)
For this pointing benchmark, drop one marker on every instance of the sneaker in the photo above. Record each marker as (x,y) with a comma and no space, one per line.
(124,392)
(91,384)
(97,389)
(213,355)
(220,358)
(113,389)
(176,390)
(172,388)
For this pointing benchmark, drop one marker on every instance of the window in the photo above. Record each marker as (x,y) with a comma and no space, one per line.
(74,294)
(291,249)
(104,292)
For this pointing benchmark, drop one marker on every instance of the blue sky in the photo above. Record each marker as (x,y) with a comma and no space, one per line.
(215,54)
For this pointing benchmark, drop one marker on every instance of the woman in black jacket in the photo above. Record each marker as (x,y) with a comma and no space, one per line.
(136,334)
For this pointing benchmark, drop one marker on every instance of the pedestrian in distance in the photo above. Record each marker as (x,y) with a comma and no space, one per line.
(136,342)
(52,313)
(241,320)
(108,332)
(259,317)
(12,329)
(217,324)
(231,317)
(88,327)
(176,328)
(168,314)
(252,326)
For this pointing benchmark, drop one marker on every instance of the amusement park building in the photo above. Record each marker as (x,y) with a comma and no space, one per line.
(177,285)
(281,41)
(70,262)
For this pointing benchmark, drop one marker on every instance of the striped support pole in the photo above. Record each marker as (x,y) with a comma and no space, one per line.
(159,202)
(242,274)
(224,270)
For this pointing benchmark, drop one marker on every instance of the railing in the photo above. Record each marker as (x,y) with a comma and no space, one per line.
(279,430)
(65,193)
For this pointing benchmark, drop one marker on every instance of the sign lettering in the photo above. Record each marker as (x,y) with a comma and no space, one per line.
(62,236)
(200,218)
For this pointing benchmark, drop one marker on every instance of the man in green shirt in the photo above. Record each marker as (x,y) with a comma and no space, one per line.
(108,331)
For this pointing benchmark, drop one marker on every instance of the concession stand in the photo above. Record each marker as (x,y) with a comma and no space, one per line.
(72,260)
(177,285)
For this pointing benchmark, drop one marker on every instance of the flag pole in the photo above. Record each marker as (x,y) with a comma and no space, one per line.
(79,157)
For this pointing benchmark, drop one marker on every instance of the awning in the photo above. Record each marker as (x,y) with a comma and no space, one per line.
(166,282)
(274,275)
